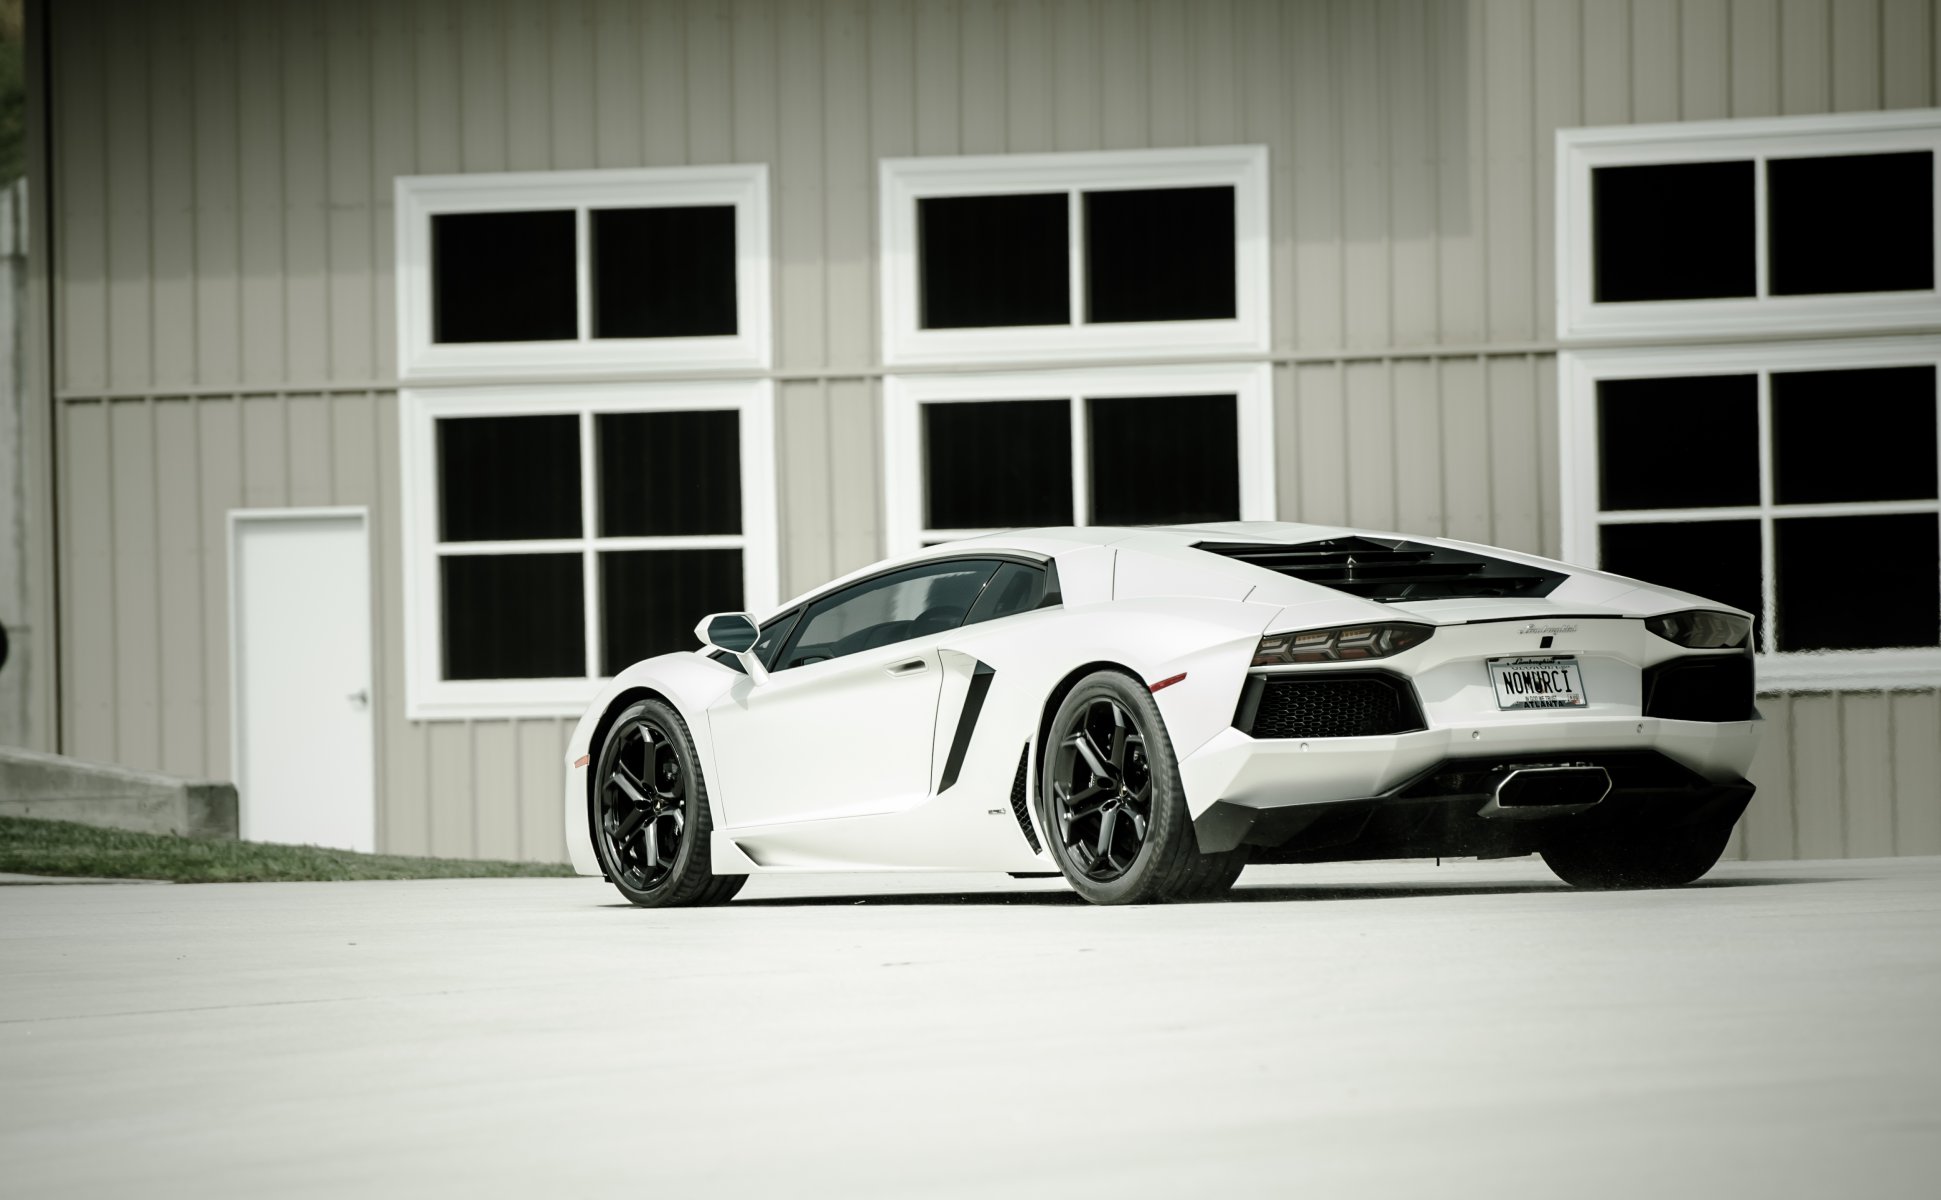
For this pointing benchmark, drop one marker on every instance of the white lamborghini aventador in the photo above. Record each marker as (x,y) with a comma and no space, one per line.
(1145,711)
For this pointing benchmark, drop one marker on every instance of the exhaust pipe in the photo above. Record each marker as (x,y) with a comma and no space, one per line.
(1547,791)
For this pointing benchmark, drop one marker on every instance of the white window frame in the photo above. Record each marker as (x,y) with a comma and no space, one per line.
(1251,385)
(419,198)
(429,696)
(1579,151)
(904,181)
(1579,374)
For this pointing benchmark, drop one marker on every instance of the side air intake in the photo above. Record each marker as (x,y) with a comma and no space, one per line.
(1336,704)
(1019,808)
(1713,687)
(1388,570)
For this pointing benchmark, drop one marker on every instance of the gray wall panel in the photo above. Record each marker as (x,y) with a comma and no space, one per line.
(88,691)
(179,598)
(495,793)
(223,239)
(137,631)
(1818,826)
(216,195)
(1867,775)
(259,131)
(1755,58)
(218,470)
(1907,47)
(1766,831)
(1916,733)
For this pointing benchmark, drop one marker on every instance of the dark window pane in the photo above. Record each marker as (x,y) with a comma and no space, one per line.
(1853,435)
(514,616)
(1162,255)
(994,260)
(1717,560)
(911,603)
(1857,583)
(664,473)
(651,600)
(1855,223)
(1683,231)
(663,272)
(998,464)
(508,478)
(1679,442)
(775,632)
(1164,460)
(1016,588)
(503,277)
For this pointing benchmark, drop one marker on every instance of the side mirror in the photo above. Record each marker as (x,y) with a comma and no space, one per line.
(737,634)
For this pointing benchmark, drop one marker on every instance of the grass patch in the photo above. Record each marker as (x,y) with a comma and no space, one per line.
(34,847)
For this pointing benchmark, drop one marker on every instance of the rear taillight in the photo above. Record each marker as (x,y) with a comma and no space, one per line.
(1349,643)
(1699,630)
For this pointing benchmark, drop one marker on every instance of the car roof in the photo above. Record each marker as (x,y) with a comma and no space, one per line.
(1589,589)
(1052,542)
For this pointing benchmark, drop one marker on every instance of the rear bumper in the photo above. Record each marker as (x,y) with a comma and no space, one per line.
(1424,793)
(1452,810)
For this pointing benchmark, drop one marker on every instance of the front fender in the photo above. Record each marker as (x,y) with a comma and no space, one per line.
(689,682)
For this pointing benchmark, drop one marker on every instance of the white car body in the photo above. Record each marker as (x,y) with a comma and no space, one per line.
(842,764)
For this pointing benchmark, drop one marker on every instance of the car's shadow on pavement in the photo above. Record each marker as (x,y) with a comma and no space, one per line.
(1242,894)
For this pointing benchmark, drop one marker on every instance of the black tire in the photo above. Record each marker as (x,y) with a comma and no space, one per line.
(1110,799)
(1216,876)
(1637,857)
(648,789)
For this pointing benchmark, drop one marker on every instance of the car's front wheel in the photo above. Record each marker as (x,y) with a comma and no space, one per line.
(1111,800)
(650,812)
(1638,857)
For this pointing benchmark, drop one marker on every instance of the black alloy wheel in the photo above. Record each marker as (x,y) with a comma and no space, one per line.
(650,812)
(643,808)
(1101,790)
(1111,800)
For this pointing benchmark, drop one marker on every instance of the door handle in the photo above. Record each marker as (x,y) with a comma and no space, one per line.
(910,667)
(361,698)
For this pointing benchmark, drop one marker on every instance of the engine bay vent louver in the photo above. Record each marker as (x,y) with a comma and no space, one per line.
(1390,570)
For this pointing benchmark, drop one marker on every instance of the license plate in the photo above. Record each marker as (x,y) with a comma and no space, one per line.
(1537,683)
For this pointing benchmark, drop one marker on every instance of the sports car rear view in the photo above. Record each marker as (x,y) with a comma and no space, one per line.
(1146,711)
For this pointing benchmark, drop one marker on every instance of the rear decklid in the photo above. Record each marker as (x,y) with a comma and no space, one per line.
(1451,583)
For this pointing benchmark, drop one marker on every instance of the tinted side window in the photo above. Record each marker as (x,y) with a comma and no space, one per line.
(910,603)
(1016,588)
(774,634)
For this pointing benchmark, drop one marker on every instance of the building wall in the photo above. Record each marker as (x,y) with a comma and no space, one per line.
(222,182)
(19,616)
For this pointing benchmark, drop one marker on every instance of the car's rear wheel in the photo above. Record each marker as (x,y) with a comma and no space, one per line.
(650,812)
(1111,800)
(1638,857)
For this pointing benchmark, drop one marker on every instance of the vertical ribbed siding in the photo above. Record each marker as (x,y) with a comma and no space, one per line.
(148,485)
(225,168)
(224,298)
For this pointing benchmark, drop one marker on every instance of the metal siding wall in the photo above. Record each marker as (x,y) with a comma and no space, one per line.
(224,299)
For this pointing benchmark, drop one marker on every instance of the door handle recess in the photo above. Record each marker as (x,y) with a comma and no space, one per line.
(909,668)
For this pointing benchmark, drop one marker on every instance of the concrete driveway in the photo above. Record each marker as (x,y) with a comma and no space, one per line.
(1388,1029)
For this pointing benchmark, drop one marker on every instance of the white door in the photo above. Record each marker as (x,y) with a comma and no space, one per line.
(844,725)
(837,739)
(300,647)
